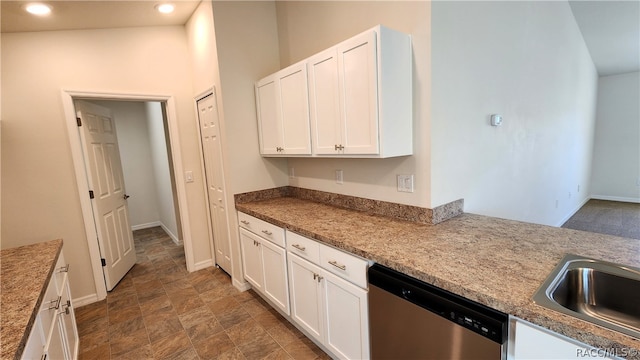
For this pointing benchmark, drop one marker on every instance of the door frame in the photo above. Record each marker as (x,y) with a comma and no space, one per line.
(68,97)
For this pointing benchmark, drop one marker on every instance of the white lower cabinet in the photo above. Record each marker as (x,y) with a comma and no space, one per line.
(529,341)
(265,268)
(347,325)
(329,308)
(306,296)
(322,290)
(54,334)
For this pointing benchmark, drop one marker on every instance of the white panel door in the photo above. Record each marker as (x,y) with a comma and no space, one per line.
(110,210)
(306,290)
(214,173)
(294,105)
(359,94)
(276,285)
(324,103)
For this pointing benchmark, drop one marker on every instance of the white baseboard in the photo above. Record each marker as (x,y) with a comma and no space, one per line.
(573,212)
(145,226)
(242,286)
(163,226)
(171,235)
(616,198)
(85,300)
(203,264)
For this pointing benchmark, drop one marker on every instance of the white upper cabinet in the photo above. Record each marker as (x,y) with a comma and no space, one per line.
(359,100)
(343,95)
(283,112)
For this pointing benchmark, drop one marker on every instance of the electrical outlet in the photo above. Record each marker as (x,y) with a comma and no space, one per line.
(339,177)
(638,182)
(292,173)
(405,183)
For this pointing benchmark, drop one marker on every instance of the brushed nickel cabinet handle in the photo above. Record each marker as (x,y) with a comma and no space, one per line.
(64,269)
(267,232)
(301,248)
(339,266)
(56,302)
(245,222)
(66,307)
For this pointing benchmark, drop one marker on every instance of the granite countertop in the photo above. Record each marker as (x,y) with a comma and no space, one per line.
(25,273)
(499,263)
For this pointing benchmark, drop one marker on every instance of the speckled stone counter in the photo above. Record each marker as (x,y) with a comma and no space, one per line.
(25,272)
(496,262)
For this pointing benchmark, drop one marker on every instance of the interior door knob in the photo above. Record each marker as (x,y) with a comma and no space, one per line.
(126,196)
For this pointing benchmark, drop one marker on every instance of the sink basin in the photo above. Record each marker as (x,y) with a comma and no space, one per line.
(604,293)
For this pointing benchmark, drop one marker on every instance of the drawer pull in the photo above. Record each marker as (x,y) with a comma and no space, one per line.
(56,302)
(301,248)
(64,269)
(244,222)
(66,307)
(339,266)
(267,232)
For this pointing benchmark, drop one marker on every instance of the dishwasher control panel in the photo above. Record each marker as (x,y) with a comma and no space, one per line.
(487,330)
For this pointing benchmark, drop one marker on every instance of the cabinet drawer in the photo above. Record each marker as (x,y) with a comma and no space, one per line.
(347,266)
(304,247)
(262,228)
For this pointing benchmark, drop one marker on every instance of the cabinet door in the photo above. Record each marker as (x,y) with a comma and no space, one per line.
(54,348)
(533,342)
(269,125)
(276,284)
(324,103)
(68,321)
(252,259)
(294,110)
(36,342)
(357,72)
(306,296)
(347,324)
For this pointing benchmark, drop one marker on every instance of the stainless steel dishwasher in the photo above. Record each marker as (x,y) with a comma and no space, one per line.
(410,319)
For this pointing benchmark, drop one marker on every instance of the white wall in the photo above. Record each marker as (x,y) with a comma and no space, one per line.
(161,173)
(40,198)
(135,154)
(616,159)
(305,28)
(247,51)
(528,62)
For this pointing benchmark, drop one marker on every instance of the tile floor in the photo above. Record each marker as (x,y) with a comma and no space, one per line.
(160,311)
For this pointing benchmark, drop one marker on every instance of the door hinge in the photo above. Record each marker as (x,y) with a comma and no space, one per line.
(91,194)
(79,121)
(104,262)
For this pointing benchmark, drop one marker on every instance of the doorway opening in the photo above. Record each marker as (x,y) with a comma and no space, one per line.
(163,107)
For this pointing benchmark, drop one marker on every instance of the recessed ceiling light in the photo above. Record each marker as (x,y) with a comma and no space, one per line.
(165,8)
(39,9)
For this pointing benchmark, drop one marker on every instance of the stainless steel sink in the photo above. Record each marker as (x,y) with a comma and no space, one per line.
(604,293)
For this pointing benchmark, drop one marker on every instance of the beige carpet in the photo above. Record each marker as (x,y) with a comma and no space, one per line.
(607,217)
